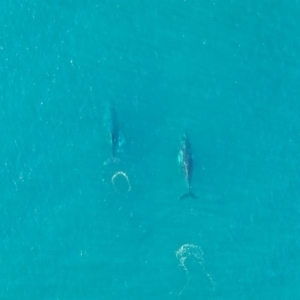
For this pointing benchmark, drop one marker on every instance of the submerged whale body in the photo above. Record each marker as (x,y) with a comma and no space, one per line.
(186,160)
(116,139)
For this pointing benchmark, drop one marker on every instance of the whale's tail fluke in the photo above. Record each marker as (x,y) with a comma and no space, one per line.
(189,194)
(112,160)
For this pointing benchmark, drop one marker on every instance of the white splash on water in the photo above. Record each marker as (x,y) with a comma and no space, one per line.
(194,254)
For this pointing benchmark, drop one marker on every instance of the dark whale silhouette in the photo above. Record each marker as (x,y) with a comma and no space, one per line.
(115,137)
(186,160)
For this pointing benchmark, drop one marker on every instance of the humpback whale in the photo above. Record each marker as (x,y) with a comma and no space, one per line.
(186,160)
(115,137)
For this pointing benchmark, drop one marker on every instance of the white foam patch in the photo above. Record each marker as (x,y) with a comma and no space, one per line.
(189,254)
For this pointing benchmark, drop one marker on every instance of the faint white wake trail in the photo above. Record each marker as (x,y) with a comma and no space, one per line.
(189,254)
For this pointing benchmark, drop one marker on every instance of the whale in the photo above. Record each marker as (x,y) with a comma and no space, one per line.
(186,161)
(116,139)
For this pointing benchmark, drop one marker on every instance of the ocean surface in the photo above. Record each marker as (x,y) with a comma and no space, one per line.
(73,227)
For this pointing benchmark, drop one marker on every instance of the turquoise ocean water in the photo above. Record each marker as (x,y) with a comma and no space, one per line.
(225,71)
